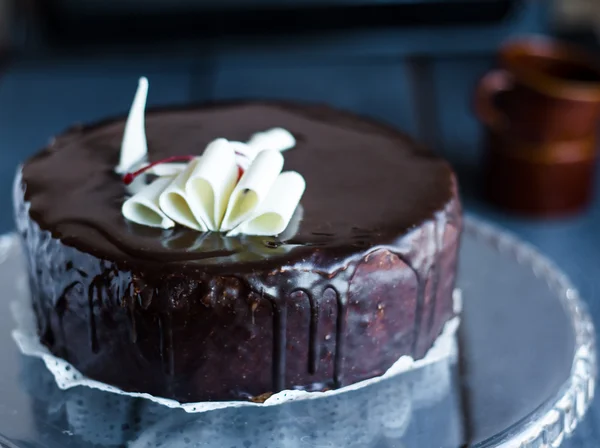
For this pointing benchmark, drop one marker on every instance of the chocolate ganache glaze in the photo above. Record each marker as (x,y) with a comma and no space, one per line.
(362,277)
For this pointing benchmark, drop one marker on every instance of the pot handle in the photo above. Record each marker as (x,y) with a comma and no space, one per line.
(492,83)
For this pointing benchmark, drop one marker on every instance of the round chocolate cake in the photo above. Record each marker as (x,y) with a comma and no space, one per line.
(365,276)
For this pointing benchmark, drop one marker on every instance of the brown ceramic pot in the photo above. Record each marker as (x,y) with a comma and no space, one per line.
(541,111)
(544,91)
(543,180)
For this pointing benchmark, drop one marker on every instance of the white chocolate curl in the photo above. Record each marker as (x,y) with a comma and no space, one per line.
(134,148)
(143,208)
(173,200)
(211,182)
(253,188)
(276,139)
(273,215)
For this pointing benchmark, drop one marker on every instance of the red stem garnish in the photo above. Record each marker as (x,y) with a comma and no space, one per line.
(130,177)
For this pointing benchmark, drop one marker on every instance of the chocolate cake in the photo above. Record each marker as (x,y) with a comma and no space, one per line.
(365,278)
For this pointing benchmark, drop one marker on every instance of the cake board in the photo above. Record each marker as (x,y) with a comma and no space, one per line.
(524,377)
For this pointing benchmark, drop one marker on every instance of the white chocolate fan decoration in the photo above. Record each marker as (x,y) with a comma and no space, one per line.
(207,193)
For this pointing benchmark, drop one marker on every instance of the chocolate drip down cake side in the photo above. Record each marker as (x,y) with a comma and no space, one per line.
(234,250)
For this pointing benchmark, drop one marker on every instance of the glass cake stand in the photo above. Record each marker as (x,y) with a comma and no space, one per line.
(524,376)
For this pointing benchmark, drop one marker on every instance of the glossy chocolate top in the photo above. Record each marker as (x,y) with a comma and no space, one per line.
(366,185)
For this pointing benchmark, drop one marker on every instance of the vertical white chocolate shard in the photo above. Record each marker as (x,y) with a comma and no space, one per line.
(276,139)
(252,188)
(211,182)
(134,147)
(173,200)
(143,208)
(273,214)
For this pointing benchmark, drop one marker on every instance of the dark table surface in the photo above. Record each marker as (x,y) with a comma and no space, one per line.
(26,123)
